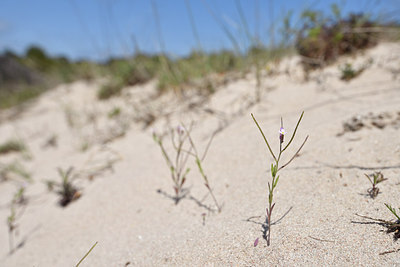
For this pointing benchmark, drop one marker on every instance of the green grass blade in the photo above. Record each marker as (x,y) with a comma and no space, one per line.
(265,139)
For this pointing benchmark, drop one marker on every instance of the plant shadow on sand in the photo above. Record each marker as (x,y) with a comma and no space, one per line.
(391,227)
(186,195)
(264,224)
(23,240)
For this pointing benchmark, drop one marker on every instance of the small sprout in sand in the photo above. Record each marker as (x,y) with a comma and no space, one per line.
(66,189)
(177,167)
(116,111)
(12,145)
(392,226)
(377,178)
(348,72)
(19,197)
(275,168)
(8,172)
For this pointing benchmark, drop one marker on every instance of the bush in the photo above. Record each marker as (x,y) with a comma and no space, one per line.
(322,39)
(12,146)
(110,89)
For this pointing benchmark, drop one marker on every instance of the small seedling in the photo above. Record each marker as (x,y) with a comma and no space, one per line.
(377,178)
(392,226)
(177,168)
(14,170)
(19,197)
(275,168)
(66,189)
(116,111)
(348,73)
(12,146)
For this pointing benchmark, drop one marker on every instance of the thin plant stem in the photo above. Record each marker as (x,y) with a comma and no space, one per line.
(295,155)
(87,253)
(193,25)
(11,239)
(223,27)
(198,162)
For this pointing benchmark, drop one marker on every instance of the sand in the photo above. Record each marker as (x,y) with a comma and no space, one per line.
(121,208)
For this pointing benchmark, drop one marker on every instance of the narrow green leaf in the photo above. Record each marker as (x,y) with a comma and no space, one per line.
(392,210)
(366,175)
(187,171)
(276,181)
(294,133)
(265,139)
(273,170)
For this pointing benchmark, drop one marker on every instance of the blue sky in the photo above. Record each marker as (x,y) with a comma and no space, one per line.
(98,29)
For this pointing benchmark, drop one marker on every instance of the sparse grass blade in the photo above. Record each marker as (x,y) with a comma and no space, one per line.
(87,253)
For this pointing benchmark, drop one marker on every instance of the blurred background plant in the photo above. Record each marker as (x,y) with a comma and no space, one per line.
(17,208)
(65,189)
(321,38)
(255,34)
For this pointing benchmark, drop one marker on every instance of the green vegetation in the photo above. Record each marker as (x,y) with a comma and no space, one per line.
(10,99)
(115,112)
(12,146)
(377,177)
(318,37)
(348,72)
(14,169)
(25,77)
(322,38)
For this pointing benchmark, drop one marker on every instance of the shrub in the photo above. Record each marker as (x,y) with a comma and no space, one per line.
(322,39)
(12,146)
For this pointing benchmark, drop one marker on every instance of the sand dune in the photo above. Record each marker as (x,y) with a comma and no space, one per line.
(317,196)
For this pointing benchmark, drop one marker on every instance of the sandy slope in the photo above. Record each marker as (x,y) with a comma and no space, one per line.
(317,196)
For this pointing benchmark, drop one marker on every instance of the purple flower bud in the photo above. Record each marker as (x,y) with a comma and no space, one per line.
(256,242)
(180,130)
(282,133)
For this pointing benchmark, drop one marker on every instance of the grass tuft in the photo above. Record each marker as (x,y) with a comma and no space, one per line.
(12,146)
